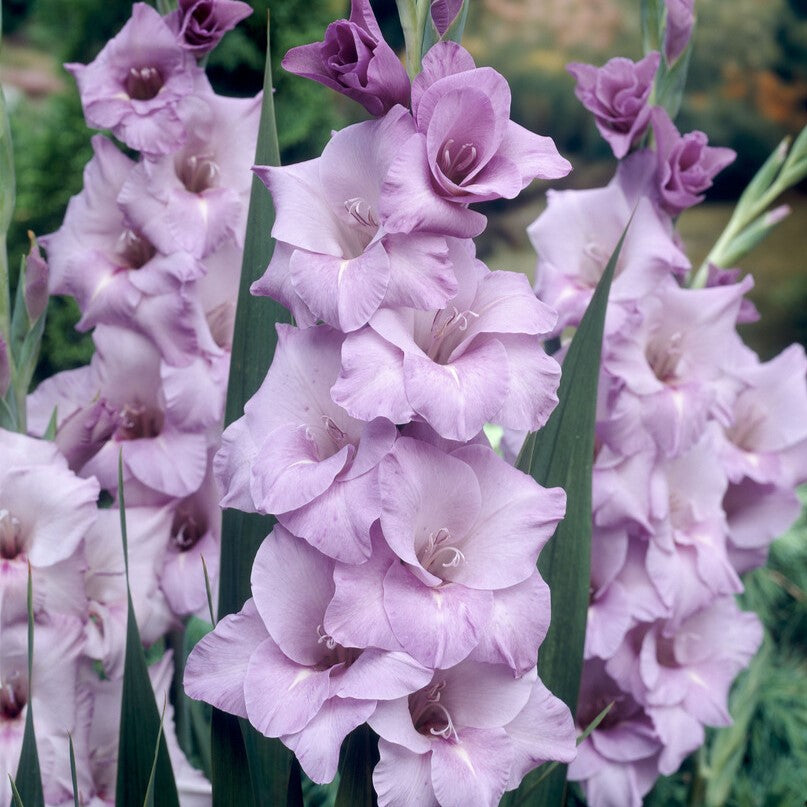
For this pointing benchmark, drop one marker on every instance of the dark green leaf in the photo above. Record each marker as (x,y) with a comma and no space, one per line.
(140,724)
(148,801)
(359,759)
(562,455)
(29,777)
(73,775)
(254,341)
(50,432)
(15,794)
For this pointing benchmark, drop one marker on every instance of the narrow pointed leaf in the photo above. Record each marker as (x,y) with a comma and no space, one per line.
(140,724)
(28,781)
(148,801)
(73,775)
(234,741)
(15,794)
(50,432)
(356,777)
(562,455)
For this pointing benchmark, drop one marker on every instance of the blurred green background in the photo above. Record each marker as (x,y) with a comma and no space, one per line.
(747,89)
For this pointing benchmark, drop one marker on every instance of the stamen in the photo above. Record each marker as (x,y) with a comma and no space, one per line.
(361,211)
(12,697)
(198,173)
(325,639)
(436,546)
(469,150)
(448,730)
(10,530)
(135,250)
(334,432)
(136,421)
(454,166)
(143,83)
(665,358)
(443,326)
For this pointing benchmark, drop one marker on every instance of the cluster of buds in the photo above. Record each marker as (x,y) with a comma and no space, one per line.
(699,444)
(151,250)
(399,586)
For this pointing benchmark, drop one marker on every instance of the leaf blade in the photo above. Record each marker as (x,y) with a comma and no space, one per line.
(562,455)
(240,754)
(140,724)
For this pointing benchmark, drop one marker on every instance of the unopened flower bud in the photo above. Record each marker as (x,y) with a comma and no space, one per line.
(36,281)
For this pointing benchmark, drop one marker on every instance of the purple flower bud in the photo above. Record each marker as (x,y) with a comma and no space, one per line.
(138,83)
(36,281)
(686,164)
(355,60)
(444,12)
(680,21)
(617,94)
(200,24)
(5,370)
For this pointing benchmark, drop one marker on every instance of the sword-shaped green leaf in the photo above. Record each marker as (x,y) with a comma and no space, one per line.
(356,780)
(249,769)
(561,454)
(140,724)
(28,782)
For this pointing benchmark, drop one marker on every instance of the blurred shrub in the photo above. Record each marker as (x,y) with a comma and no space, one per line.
(51,147)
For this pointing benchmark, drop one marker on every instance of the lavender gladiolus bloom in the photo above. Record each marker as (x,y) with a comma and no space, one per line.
(354,60)
(298,455)
(466,528)
(680,21)
(163,417)
(199,25)
(196,198)
(466,737)
(337,262)
(686,165)
(617,94)
(476,360)
(275,663)
(574,238)
(619,761)
(45,512)
(115,273)
(466,148)
(138,84)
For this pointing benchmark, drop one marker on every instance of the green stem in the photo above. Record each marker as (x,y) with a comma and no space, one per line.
(5,296)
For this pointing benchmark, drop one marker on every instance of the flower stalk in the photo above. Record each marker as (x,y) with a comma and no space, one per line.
(750,222)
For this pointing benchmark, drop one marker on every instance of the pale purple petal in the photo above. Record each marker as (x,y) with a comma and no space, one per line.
(216,668)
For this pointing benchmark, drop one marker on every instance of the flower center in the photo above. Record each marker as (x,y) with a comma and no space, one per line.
(143,83)
(134,250)
(438,553)
(187,529)
(13,697)
(334,652)
(361,211)
(135,421)
(747,421)
(10,543)
(664,357)
(429,716)
(455,160)
(446,323)
(198,173)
